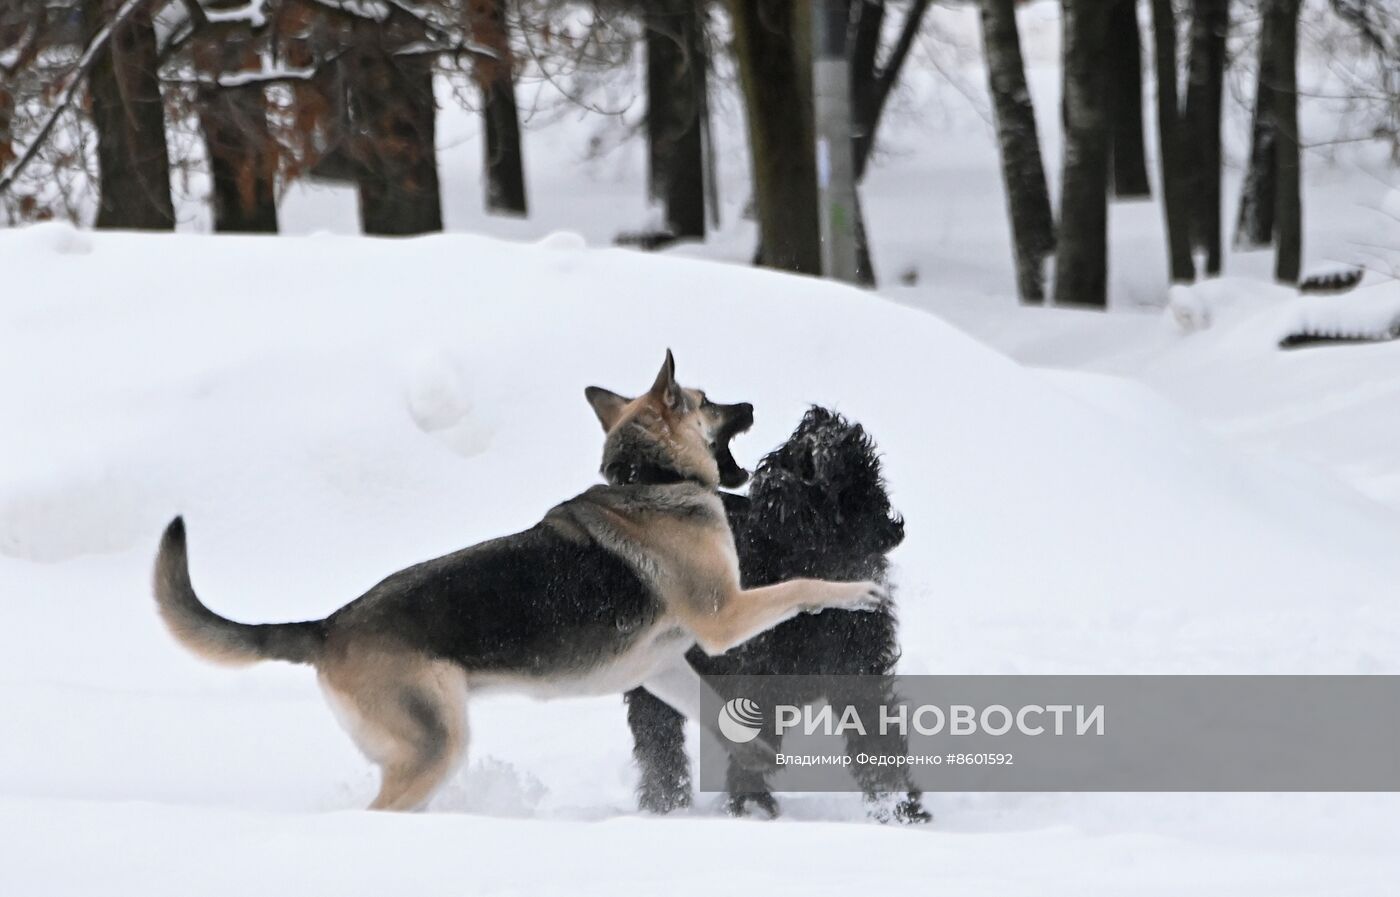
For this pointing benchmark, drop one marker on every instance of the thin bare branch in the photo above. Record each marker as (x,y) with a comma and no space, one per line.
(70,90)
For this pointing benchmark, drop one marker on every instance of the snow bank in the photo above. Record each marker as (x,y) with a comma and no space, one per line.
(1259,316)
(326,410)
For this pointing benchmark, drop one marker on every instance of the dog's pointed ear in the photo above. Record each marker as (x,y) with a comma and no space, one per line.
(666,389)
(606,404)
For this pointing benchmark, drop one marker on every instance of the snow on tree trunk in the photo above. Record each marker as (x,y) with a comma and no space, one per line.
(772,42)
(1081,259)
(238,144)
(133,162)
(1028,200)
(1175,200)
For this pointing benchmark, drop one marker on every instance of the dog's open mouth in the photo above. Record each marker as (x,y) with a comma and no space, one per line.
(738,419)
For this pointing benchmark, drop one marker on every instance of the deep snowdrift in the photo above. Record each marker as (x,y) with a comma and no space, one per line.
(325,410)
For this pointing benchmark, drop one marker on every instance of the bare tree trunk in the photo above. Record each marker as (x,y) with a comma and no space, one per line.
(504,159)
(1028,200)
(1255,228)
(1081,258)
(873,82)
(772,40)
(133,162)
(393,115)
(865,260)
(14,27)
(866,107)
(320,143)
(676,105)
(7,136)
(871,85)
(1175,200)
(242,159)
(1210,22)
(866,97)
(1288,208)
(1125,101)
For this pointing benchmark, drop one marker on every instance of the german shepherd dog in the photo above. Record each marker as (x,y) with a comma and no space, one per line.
(606,593)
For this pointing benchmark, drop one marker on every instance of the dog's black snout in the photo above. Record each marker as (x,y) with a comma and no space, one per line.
(741,415)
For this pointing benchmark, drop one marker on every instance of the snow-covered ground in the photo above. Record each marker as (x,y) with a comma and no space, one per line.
(328,409)
(1084,493)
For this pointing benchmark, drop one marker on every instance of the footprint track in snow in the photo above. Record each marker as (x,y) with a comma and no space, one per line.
(441,402)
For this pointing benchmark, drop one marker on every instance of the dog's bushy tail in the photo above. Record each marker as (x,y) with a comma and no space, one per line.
(217,638)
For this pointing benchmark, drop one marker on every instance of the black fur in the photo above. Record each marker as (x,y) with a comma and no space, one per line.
(817,507)
(535,603)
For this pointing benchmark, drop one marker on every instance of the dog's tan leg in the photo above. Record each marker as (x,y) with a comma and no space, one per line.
(408,714)
(431,733)
(747,613)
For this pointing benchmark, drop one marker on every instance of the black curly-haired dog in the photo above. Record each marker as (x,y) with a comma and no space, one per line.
(817,506)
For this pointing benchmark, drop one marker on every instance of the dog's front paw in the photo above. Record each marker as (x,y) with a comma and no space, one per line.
(901,810)
(763,801)
(866,596)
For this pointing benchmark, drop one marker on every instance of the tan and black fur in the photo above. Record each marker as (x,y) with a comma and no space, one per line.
(605,594)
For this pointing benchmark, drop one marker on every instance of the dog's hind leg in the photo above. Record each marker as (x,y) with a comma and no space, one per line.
(409,715)
(431,745)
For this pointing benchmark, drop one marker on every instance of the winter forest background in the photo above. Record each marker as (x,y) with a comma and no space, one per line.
(230,116)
